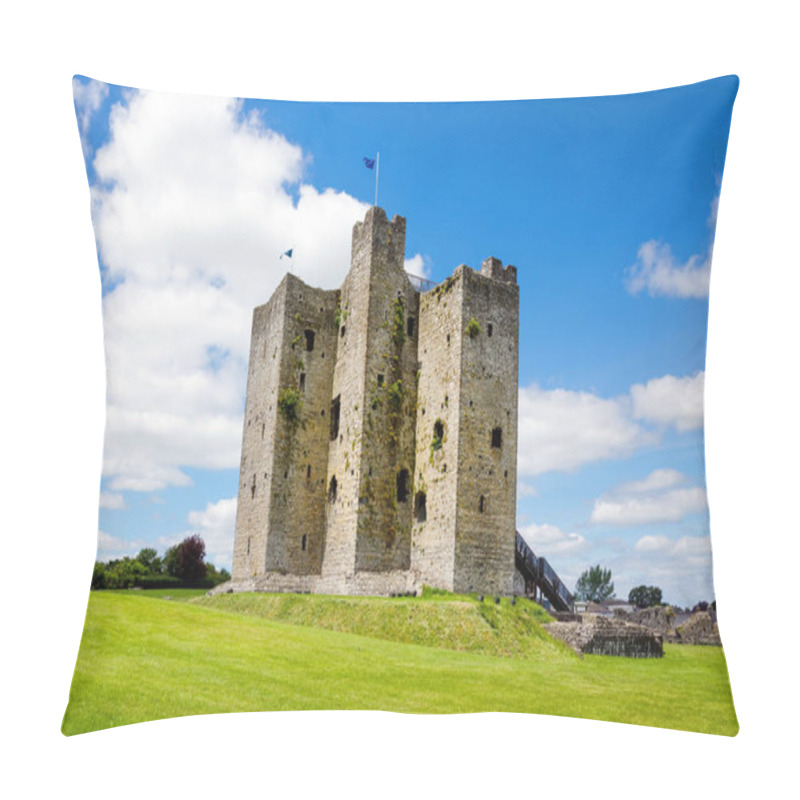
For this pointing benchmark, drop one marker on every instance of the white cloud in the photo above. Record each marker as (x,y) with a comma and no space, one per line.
(112,500)
(526,490)
(88,98)
(657,498)
(560,430)
(670,506)
(194,205)
(216,526)
(685,547)
(418,265)
(550,540)
(671,401)
(657,270)
(111,547)
(658,479)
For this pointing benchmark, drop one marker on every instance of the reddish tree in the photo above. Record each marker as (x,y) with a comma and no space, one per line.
(191,559)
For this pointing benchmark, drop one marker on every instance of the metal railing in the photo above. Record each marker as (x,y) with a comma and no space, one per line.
(421,284)
(544,576)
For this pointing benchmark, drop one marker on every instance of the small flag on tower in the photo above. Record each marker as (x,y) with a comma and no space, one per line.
(288,253)
(369,163)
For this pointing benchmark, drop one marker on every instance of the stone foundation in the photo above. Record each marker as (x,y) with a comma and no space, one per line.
(608,637)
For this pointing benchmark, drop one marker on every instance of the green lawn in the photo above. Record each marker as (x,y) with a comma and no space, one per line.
(143,658)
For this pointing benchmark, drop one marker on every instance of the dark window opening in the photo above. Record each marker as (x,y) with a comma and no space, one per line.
(303,542)
(482,504)
(410,326)
(497,437)
(438,435)
(308,471)
(420,511)
(309,340)
(322,413)
(341,333)
(335,408)
(489,329)
(286,473)
(253,487)
(248,545)
(332,490)
(402,486)
(448,338)
(263,427)
(302,381)
(380,380)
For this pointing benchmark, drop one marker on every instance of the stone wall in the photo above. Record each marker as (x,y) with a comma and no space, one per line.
(597,635)
(380,436)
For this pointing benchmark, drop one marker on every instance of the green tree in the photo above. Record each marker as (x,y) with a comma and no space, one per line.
(645,596)
(594,585)
(171,560)
(148,558)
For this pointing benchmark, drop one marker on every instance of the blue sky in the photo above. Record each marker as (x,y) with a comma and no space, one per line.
(606,206)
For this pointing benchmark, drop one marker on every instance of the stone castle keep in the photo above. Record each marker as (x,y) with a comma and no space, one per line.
(379,450)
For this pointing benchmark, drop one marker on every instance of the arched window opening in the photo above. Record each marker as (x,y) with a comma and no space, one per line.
(438,435)
(332,489)
(309,340)
(482,504)
(303,542)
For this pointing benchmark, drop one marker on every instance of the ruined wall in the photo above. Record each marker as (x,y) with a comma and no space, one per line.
(258,438)
(487,455)
(363,532)
(388,443)
(305,362)
(437,429)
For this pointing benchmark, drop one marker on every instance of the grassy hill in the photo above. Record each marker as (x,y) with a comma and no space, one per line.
(451,622)
(143,657)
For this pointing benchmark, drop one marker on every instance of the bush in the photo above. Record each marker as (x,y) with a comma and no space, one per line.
(158,582)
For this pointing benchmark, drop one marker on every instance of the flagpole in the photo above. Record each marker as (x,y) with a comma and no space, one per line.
(377,172)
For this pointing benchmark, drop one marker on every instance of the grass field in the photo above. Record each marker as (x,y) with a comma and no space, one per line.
(143,657)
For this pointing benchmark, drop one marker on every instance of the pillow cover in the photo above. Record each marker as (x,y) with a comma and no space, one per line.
(423,381)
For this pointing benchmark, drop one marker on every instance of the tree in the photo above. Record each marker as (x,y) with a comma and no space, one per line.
(191,559)
(148,557)
(645,596)
(594,585)
(171,560)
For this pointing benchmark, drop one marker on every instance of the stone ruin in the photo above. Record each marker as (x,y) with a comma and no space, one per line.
(601,636)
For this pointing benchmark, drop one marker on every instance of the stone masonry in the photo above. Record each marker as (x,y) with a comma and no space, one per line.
(379,447)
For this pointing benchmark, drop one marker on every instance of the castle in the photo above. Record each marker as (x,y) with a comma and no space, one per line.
(379,450)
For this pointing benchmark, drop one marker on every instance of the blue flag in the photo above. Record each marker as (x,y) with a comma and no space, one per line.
(369,163)
(287,253)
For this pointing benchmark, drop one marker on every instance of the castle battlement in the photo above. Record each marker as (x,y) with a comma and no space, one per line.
(380,434)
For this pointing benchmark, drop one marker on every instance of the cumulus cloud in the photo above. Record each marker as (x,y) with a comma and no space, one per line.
(560,430)
(671,401)
(551,540)
(660,497)
(216,525)
(657,270)
(418,265)
(193,205)
(112,500)
(111,547)
(88,96)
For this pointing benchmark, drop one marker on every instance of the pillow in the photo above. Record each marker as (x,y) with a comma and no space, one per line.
(405,407)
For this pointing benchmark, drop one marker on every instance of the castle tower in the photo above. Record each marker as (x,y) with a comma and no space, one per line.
(380,430)
(465,481)
(371,455)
